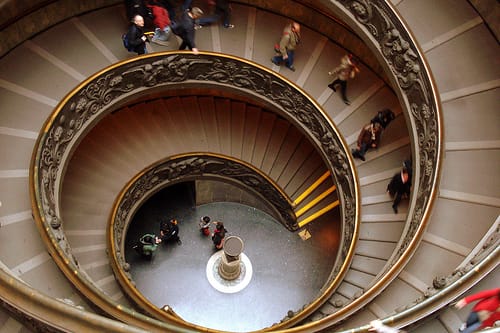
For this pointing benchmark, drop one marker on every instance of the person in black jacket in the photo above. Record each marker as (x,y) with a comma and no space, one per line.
(135,35)
(169,231)
(400,184)
(185,28)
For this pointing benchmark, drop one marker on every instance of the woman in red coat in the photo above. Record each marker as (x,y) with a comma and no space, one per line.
(161,20)
(485,313)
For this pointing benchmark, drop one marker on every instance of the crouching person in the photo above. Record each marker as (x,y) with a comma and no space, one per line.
(147,245)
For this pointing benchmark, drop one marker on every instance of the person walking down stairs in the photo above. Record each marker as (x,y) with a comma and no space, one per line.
(161,20)
(285,50)
(369,137)
(484,314)
(135,36)
(347,70)
(400,185)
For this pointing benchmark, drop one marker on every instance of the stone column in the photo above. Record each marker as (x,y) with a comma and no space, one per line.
(229,267)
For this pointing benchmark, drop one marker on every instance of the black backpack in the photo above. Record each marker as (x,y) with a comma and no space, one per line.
(383,117)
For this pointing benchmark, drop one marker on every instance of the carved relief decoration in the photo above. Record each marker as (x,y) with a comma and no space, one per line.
(401,55)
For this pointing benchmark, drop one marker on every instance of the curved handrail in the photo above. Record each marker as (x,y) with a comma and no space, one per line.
(44,313)
(126,80)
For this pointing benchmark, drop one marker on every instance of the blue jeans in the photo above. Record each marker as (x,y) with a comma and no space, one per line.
(162,35)
(472,323)
(288,62)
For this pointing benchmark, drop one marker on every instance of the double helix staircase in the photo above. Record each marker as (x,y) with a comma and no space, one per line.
(37,74)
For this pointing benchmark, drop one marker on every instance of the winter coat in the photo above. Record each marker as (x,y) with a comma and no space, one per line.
(160,17)
(134,35)
(488,307)
(289,40)
(346,70)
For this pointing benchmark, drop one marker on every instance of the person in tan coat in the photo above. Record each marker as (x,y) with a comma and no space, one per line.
(288,42)
(347,70)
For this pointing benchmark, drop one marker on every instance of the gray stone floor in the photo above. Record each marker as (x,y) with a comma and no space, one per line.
(287,271)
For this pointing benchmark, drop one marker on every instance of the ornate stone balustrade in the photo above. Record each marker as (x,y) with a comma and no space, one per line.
(129,80)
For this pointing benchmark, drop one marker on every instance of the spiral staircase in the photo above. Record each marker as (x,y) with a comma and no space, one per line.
(455,252)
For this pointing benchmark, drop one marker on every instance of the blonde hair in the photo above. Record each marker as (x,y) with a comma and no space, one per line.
(196,11)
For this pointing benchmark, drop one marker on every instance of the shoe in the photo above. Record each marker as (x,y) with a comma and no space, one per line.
(462,327)
(292,68)
(229,26)
(347,102)
(179,242)
(274,62)
(356,154)
(331,86)
(395,209)
(197,27)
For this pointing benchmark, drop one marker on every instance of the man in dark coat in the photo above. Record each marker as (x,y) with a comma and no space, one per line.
(400,185)
(135,34)
(185,29)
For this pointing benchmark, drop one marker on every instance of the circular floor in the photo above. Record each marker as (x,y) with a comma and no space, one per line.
(287,272)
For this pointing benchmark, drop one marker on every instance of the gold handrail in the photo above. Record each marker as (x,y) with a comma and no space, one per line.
(311,188)
(319,213)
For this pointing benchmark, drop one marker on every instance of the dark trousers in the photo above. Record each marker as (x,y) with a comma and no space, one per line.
(397,199)
(185,44)
(343,87)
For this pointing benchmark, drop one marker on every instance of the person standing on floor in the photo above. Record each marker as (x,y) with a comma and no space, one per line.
(169,231)
(185,28)
(218,235)
(286,49)
(205,225)
(369,137)
(400,185)
(136,38)
(161,20)
(347,70)
(485,313)
(147,245)
(222,9)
